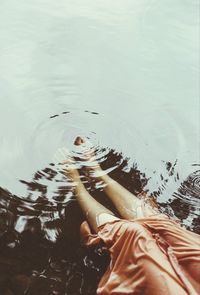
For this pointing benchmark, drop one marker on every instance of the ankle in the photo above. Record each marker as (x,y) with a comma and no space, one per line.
(79,187)
(106,179)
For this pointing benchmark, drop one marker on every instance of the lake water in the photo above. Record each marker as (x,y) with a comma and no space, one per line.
(125,74)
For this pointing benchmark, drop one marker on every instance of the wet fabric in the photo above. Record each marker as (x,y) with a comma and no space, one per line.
(151,255)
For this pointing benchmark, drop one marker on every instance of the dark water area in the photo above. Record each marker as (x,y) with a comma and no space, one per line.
(125,75)
(47,256)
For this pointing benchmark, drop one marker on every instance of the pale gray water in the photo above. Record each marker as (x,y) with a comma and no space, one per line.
(135,62)
(126,75)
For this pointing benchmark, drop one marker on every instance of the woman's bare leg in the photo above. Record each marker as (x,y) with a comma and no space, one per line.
(127,204)
(95,213)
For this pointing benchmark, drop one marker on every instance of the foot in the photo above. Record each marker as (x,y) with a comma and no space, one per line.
(85,153)
(68,164)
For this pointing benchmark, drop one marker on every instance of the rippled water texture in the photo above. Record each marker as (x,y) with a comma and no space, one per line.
(124,74)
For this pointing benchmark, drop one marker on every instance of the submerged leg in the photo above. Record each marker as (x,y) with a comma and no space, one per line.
(125,202)
(128,205)
(95,213)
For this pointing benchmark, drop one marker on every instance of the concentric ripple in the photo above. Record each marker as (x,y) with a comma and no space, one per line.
(50,145)
(189,190)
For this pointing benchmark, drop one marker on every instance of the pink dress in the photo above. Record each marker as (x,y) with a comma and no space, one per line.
(149,256)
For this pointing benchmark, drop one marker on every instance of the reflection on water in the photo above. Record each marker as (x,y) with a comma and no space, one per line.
(40,246)
(125,75)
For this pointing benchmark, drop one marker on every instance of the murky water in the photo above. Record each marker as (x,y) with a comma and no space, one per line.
(125,75)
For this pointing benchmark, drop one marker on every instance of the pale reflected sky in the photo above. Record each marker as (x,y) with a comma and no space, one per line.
(134,62)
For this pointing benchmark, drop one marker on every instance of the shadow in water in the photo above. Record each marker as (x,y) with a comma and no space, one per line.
(40,248)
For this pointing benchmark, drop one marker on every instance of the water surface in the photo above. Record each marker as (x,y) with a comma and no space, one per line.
(124,74)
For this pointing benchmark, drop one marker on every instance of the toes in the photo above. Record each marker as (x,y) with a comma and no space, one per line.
(79,140)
